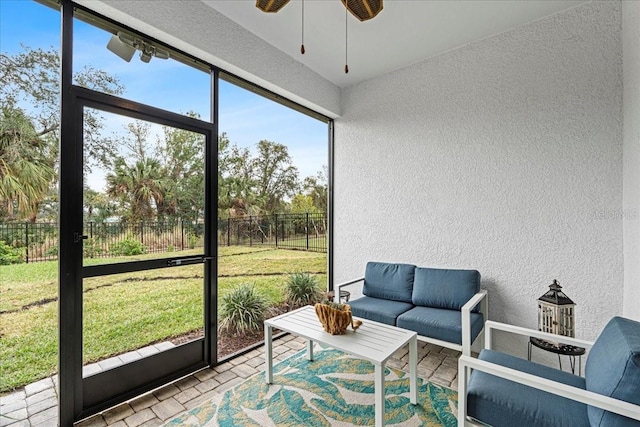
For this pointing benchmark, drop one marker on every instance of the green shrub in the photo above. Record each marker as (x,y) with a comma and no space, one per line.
(192,241)
(242,310)
(91,248)
(302,289)
(52,251)
(127,247)
(10,255)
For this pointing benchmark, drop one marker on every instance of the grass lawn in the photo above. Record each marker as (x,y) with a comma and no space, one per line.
(126,311)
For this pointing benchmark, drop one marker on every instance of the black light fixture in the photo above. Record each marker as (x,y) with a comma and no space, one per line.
(125,45)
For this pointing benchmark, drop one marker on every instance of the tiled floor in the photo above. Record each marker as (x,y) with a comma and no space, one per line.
(36,404)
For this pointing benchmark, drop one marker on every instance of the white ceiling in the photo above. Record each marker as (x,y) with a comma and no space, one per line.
(405,31)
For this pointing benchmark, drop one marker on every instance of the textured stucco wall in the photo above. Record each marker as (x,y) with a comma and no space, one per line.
(631,106)
(207,34)
(505,156)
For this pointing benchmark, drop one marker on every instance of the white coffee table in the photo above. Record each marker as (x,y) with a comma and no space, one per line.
(373,341)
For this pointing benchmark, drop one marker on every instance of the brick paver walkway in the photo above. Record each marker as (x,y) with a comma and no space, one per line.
(36,404)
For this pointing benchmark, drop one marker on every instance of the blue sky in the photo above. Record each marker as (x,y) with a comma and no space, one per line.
(168,84)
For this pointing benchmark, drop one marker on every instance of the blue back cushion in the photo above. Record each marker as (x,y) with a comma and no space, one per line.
(613,369)
(389,281)
(442,288)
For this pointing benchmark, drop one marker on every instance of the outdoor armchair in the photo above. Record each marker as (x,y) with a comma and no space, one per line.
(503,390)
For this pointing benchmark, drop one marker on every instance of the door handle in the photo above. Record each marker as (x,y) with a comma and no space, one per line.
(78,237)
(187,261)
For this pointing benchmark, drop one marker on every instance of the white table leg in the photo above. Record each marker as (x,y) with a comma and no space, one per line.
(379,395)
(268,354)
(310,350)
(413,370)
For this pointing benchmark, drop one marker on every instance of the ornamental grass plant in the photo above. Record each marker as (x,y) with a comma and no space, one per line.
(242,310)
(302,289)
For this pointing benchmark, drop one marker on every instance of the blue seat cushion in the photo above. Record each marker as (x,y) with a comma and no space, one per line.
(500,402)
(442,288)
(378,309)
(613,369)
(439,323)
(389,281)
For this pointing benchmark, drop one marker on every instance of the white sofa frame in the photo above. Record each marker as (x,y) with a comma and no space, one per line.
(465,348)
(466,364)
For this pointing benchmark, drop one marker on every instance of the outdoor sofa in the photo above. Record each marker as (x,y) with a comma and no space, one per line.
(445,307)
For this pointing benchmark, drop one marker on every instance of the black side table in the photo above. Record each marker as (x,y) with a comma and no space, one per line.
(561,350)
(343,298)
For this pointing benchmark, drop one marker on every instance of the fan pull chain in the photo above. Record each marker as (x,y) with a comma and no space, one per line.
(346,38)
(302,45)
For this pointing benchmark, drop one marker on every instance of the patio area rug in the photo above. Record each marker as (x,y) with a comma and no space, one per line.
(336,389)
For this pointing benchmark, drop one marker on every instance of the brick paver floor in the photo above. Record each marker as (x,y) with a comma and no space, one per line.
(36,404)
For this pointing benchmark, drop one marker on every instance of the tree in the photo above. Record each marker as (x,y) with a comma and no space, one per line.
(316,188)
(303,204)
(29,101)
(135,143)
(26,165)
(254,184)
(139,187)
(275,175)
(235,178)
(49,206)
(97,206)
(181,155)
(32,79)
(162,179)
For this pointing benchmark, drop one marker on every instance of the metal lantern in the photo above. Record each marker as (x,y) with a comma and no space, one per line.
(556,312)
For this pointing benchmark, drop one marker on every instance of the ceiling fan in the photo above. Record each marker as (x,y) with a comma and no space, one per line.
(361,9)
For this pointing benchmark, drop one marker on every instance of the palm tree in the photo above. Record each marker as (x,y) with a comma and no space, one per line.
(26,165)
(140,186)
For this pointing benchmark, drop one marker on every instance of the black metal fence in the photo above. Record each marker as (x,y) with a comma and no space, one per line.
(33,242)
(288,231)
(39,241)
(115,239)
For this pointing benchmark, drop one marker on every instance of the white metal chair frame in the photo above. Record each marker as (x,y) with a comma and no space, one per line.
(479,298)
(466,364)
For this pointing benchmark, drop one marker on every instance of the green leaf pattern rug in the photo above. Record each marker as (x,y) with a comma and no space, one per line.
(335,389)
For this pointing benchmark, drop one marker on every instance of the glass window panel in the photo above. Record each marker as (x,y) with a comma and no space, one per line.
(143,190)
(29,287)
(272,204)
(162,83)
(132,315)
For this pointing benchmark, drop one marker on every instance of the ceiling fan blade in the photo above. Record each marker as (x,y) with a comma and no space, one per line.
(271,5)
(363,9)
